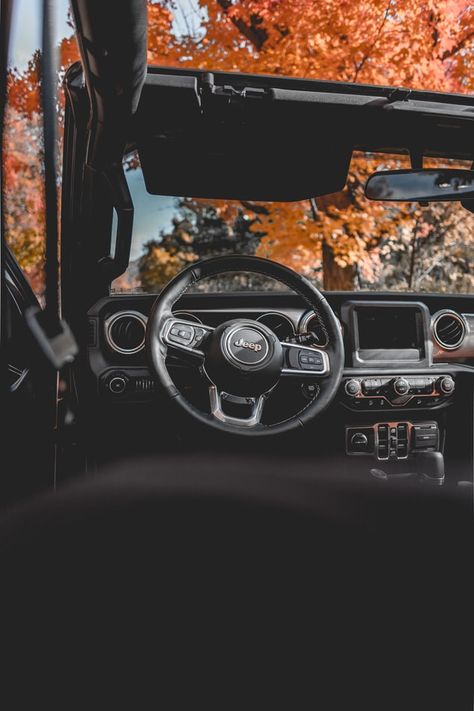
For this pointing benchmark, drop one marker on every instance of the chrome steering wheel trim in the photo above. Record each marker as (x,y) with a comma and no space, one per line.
(215,399)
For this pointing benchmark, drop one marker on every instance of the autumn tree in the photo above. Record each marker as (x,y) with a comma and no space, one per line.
(199,231)
(23,153)
(338,240)
(23,172)
(398,42)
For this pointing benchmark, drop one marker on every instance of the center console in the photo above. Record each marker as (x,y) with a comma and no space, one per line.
(389,349)
(389,344)
(401,449)
(393,440)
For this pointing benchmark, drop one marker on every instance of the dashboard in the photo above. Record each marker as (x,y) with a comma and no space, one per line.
(385,335)
(407,360)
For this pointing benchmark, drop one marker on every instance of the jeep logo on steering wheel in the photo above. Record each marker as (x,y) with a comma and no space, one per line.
(248,344)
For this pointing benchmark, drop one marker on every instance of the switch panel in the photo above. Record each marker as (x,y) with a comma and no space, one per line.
(393,440)
(425,437)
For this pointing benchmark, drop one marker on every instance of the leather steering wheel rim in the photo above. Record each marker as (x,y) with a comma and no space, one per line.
(161,314)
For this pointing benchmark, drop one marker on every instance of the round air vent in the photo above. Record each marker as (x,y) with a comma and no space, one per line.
(310,323)
(280,324)
(449,330)
(125,332)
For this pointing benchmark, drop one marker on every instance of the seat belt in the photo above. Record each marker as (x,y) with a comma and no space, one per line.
(50,331)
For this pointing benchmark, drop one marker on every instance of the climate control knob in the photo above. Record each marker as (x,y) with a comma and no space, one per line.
(446,384)
(401,386)
(352,387)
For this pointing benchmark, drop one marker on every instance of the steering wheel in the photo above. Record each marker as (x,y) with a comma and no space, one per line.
(242,360)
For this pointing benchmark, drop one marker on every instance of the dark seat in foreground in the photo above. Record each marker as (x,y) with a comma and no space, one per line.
(243,567)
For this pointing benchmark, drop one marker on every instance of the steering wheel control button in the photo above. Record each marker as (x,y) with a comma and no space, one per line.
(186,333)
(246,345)
(310,361)
(183,334)
(310,390)
(199,334)
(304,359)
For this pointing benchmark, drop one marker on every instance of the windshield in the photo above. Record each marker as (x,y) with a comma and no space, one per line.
(395,42)
(340,241)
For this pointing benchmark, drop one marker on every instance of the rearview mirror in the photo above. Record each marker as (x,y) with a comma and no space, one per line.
(429,185)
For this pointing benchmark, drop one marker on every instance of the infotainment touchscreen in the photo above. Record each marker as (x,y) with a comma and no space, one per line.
(389,328)
(387,332)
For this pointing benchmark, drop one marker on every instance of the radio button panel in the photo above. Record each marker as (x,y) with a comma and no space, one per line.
(398,391)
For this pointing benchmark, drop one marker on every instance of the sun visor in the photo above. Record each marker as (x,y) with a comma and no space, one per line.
(249,143)
(249,137)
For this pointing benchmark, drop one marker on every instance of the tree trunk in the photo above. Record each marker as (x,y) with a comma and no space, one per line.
(414,241)
(335,277)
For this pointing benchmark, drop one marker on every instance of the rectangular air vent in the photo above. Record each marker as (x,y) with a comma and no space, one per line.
(144,384)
